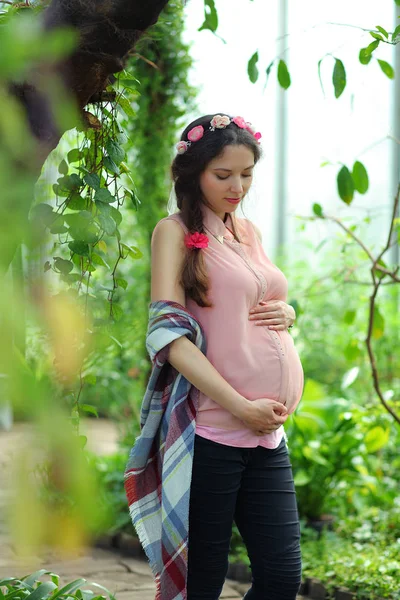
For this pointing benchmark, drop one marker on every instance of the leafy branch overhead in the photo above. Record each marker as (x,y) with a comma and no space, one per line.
(339,78)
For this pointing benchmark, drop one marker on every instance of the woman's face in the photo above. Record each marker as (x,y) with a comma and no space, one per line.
(228,177)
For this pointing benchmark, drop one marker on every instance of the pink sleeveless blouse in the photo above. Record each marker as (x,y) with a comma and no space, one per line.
(256,361)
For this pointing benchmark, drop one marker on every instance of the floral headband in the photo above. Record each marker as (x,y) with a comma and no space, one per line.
(217,122)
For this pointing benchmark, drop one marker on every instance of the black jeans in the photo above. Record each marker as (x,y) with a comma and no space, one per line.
(253,487)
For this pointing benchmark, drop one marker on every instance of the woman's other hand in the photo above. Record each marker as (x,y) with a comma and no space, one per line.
(274,314)
(264,415)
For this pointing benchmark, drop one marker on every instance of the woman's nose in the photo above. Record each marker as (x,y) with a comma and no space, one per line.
(237,186)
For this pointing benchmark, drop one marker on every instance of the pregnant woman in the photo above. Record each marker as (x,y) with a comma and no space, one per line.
(225,377)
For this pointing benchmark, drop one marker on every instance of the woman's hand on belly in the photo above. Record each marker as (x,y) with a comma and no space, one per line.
(264,415)
(274,314)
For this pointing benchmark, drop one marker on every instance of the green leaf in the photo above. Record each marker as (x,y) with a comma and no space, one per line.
(378,328)
(128,81)
(133,197)
(313,455)
(317,210)
(43,591)
(117,312)
(70,182)
(89,409)
(268,70)
(64,266)
(110,165)
(372,46)
(396,32)
(134,253)
(115,151)
(376,438)
(76,202)
(98,260)
(345,185)
(210,16)
(121,283)
(364,56)
(301,478)
(78,247)
(349,317)
(104,195)
(74,155)
(63,167)
(339,78)
(383,31)
(90,379)
(92,180)
(378,273)
(252,69)
(376,36)
(283,75)
(57,226)
(116,215)
(126,106)
(33,577)
(386,68)
(352,351)
(73,585)
(360,177)
(107,224)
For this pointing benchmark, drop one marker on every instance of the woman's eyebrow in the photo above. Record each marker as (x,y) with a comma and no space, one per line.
(230,170)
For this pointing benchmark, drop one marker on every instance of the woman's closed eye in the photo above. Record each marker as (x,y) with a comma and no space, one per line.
(219,177)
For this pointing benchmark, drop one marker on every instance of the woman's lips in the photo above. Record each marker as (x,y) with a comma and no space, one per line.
(233,200)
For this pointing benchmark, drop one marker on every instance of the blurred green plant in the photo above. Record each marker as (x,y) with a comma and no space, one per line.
(45,585)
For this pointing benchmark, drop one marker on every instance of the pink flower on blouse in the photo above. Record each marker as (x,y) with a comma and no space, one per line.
(196,240)
(196,133)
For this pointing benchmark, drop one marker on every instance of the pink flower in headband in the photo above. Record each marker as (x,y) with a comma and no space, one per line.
(196,133)
(240,122)
(196,240)
(250,128)
(220,122)
(181,147)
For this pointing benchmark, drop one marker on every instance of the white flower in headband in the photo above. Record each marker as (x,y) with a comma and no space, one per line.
(181,147)
(219,122)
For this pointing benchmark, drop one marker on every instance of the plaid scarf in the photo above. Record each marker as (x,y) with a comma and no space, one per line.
(159,470)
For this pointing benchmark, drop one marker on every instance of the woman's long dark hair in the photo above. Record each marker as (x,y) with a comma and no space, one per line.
(186,170)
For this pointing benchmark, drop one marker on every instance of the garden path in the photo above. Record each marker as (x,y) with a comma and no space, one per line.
(127,578)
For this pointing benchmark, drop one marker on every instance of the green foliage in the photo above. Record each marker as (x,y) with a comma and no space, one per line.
(371,570)
(283,75)
(339,78)
(44,585)
(109,472)
(210,16)
(345,185)
(252,68)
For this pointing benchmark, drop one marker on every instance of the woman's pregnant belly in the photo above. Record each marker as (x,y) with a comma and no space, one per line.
(257,363)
